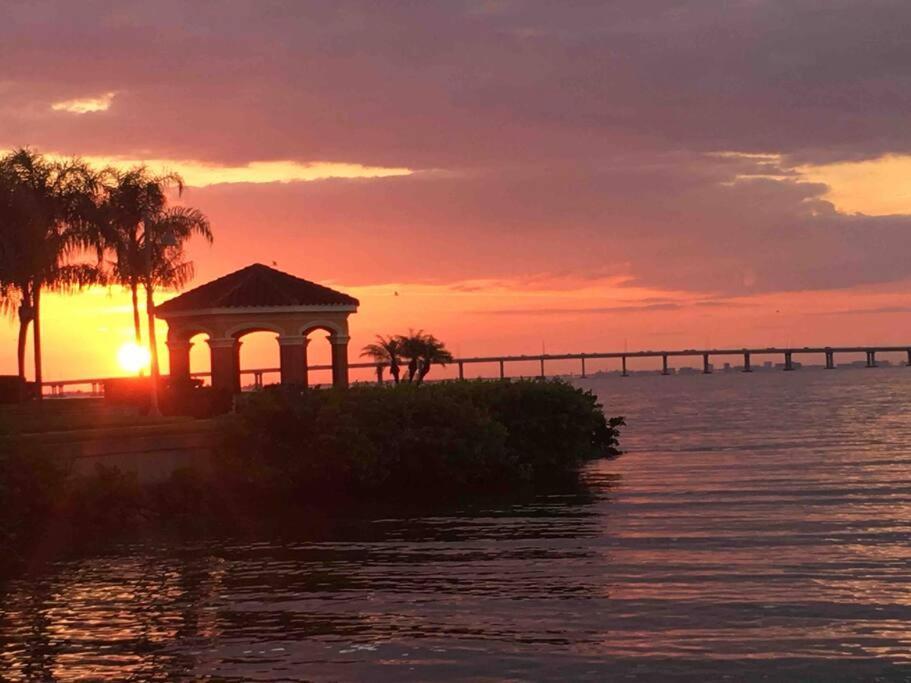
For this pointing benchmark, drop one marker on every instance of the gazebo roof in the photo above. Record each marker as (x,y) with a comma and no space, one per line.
(255,286)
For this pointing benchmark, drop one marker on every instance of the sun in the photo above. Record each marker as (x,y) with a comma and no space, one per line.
(133,357)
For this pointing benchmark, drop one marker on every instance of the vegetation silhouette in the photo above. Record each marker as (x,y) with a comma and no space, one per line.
(421,351)
(385,350)
(54,212)
(45,208)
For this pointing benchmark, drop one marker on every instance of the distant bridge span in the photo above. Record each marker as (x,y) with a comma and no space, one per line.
(57,387)
(787,353)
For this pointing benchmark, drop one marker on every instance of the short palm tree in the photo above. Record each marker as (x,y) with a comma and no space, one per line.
(411,348)
(422,351)
(434,353)
(385,350)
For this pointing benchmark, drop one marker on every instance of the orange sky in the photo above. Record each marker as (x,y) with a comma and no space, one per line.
(84,332)
(524,174)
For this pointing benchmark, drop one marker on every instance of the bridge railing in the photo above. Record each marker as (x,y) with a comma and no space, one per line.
(95,386)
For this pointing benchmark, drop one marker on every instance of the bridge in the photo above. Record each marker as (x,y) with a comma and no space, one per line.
(828,353)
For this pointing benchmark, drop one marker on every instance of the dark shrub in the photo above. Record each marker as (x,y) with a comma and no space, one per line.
(175,397)
(455,436)
(31,485)
(194,400)
(12,389)
(128,391)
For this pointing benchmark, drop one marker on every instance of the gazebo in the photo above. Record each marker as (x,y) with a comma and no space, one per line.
(254,299)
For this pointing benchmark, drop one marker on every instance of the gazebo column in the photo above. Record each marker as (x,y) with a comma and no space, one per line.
(179,359)
(225,364)
(339,359)
(293,359)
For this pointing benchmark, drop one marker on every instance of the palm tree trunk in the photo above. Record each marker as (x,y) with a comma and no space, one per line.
(423,370)
(25,318)
(23,337)
(36,297)
(153,349)
(137,327)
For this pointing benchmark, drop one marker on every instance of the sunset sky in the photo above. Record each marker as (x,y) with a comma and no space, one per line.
(581,176)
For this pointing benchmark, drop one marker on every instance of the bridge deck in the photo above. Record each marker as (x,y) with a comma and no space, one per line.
(57,386)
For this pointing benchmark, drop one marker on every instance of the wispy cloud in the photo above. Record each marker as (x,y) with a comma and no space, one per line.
(594,310)
(648,306)
(200,174)
(881,310)
(86,105)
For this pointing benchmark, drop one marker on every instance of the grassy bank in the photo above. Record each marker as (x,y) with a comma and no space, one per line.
(325,449)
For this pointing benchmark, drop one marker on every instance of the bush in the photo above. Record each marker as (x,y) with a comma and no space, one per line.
(13,389)
(455,437)
(184,397)
(195,400)
(31,485)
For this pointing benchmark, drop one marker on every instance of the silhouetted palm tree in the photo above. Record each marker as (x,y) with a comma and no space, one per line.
(422,351)
(45,208)
(410,349)
(434,353)
(385,350)
(131,198)
(163,260)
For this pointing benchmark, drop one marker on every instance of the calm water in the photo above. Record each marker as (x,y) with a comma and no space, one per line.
(758,529)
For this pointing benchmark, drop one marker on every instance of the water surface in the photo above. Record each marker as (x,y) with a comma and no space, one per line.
(757,529)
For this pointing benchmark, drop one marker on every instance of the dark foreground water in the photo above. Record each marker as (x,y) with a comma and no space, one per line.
(758,529)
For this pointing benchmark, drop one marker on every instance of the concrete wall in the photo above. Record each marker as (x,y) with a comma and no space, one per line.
(150,452)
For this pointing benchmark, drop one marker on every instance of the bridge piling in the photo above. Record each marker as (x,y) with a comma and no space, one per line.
(502,370)
(788,361)
(542,368)
(746,362)
(830,360)
(871,359)
(461,370)
(664,370)
(583,367)
(706,366)
(624,373)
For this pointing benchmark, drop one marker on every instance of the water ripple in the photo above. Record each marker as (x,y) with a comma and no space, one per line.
(758,529)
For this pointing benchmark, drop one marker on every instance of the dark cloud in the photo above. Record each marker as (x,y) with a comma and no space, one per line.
(449,83)
(553,138)
(679,225)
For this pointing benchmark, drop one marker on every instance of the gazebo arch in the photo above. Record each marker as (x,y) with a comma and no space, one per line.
(257,298)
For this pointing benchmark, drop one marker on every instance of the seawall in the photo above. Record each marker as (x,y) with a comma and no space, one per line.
(150,452)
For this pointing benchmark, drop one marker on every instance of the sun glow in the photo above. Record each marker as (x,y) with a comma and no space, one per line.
(133,357)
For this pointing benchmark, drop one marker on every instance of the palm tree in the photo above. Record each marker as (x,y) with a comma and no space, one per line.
(46,208)
(434,352)
(423,351)
(410,348)
(131,198)
(10,297)
(163,263)
(384,350)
